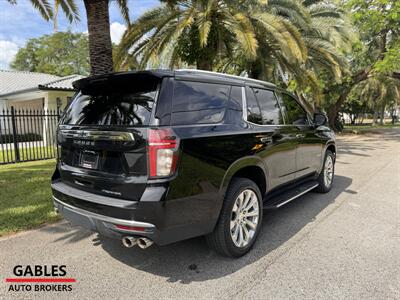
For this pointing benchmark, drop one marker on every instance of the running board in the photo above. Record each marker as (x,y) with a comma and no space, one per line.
(283,198)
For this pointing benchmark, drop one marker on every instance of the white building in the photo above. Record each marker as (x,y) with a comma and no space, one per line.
(30,91)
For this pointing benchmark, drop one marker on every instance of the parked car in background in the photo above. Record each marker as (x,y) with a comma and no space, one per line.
(163,156)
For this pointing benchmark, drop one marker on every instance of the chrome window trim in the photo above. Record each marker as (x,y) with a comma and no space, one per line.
(244,101)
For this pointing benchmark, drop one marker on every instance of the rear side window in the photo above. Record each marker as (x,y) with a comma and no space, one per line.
(109,104)
(270,110)
(198,102)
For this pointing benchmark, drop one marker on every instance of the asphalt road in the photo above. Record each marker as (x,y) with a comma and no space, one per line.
(341,245)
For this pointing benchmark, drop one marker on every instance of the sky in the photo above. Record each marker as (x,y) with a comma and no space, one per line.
(21,22)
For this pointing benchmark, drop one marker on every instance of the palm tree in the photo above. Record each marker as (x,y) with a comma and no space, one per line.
(275,40)
(196,32)
(327,36)
(100,46)
(228,35)
(323,29)
(379,91)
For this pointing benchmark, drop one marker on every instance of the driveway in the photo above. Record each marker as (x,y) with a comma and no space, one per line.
(342,245)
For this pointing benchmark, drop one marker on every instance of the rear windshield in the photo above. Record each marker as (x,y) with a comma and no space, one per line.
(112,104)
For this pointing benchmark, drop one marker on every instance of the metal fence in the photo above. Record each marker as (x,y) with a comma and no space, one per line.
(27,135)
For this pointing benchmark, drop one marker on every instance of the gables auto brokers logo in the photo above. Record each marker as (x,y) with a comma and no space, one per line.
(40,278)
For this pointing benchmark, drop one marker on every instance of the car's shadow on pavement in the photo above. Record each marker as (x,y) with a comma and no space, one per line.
(192,260)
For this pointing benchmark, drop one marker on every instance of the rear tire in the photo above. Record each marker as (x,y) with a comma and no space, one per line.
(327,174)
(240,219)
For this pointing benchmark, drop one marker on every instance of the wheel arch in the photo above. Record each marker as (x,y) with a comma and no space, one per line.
(331,146)
(247,167)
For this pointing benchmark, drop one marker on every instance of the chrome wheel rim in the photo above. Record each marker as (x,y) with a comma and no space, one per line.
(244,218)
(328,172)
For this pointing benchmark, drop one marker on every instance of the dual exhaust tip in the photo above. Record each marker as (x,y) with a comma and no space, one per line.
(142,242)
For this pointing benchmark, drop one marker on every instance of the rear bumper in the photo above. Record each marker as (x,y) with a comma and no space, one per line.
(104,225)
(162,221)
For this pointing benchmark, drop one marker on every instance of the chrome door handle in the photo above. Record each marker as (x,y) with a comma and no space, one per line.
(266,140)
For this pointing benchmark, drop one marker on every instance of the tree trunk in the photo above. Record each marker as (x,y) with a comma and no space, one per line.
(255,70)
(382,113)
(55,18)
(204,64)
(100,47)
(333,110)
(375,117)
(362,116)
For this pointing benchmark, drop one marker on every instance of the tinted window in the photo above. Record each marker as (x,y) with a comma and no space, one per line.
(295,114)
(197,102)
(253,109)
(270,111)
(235,99)
(129,108)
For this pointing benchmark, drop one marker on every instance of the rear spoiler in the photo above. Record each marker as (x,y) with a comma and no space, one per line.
(118,77)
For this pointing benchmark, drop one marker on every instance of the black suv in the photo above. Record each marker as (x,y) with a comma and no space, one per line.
(161,156)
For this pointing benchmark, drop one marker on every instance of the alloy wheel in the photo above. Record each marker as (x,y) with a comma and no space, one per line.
(244,218)
(328,171)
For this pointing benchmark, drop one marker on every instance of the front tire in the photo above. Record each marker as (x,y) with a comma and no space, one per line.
(327,174)
(240,219)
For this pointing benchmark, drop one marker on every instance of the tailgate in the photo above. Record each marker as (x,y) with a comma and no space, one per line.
(102,136)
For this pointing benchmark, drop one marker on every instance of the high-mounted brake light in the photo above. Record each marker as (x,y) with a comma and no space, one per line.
(163,152)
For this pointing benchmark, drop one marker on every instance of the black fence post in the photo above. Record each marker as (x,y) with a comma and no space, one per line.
(58,114)
(14,127)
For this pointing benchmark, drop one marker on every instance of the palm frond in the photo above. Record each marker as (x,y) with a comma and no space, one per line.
(124,10)
(69,8)
(44,8)
(204,22)
(286,35)
(241,26)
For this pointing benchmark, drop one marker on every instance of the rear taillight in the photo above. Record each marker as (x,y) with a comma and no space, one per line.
(163,152)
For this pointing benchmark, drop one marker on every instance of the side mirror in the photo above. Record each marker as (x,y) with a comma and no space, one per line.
(320,119)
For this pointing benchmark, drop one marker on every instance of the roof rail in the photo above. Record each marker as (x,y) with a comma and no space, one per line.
(226,75)
(212,73)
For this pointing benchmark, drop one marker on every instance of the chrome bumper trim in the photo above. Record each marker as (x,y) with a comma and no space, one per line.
(103,218)
(99,135)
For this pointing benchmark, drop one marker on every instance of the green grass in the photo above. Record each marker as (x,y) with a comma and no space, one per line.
(27,153)
(25,197)
(371,127)
(363,129)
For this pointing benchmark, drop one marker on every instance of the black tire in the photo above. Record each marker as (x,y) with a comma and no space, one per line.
(220,239)
(323,187)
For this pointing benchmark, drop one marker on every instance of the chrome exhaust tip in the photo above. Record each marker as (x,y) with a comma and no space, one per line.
(144,243)
(129,241)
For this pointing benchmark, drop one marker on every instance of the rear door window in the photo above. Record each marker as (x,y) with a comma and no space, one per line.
(270,110)
(253,108)
(198,102)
